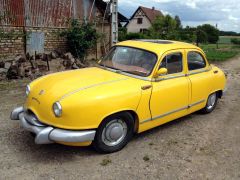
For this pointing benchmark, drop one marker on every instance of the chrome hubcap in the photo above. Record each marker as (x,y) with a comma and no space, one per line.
(211,101)
(114,132)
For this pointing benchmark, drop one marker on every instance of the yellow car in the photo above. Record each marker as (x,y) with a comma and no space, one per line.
(138,85)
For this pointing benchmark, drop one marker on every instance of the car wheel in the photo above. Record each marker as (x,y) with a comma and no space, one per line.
(114,133)
(211,103)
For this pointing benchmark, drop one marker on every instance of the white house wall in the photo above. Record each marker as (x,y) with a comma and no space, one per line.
(133,26)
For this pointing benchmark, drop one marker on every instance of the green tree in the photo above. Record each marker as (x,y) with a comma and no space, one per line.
(178,22)
(202,36)
(163,27)
(188,34)
(211,32)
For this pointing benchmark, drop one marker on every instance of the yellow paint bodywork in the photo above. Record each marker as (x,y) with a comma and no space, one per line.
(89,95)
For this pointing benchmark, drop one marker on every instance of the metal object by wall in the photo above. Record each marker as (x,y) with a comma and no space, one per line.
(114,22)
(32,46)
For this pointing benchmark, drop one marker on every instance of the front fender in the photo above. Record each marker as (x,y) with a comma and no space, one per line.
(86,109)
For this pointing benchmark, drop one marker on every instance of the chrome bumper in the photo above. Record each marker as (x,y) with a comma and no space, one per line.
(47,134)
(224,91)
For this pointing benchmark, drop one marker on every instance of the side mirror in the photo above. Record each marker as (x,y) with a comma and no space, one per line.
(161,72)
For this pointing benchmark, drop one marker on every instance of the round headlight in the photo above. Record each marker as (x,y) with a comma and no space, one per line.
(57,109)
(28,90)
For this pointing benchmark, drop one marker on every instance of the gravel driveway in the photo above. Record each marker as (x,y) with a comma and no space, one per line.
(194,147)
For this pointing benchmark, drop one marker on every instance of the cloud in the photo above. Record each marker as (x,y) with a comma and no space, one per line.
(193,12)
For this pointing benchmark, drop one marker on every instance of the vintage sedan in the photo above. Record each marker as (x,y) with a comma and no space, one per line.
(139,84)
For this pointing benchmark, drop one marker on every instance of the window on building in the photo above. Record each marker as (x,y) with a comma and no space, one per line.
(144,31)
(140,20)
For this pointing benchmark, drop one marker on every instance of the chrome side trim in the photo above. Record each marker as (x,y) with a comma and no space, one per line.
(87,87)
(168,77)
(165,114)
(196,103)
(171,112)
(199,71)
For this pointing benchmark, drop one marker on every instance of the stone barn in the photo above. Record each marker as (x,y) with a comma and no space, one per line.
(32,26)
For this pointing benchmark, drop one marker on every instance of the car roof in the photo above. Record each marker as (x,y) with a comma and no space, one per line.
(157,46)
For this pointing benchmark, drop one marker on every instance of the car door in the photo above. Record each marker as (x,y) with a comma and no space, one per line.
(170,93)
(199,74)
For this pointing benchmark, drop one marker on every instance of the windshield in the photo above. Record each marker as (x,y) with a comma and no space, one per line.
(131,60)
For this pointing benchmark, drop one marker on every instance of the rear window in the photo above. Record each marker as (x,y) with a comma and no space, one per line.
(195,61)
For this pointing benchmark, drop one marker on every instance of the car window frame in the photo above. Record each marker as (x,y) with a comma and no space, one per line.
(205,60)
(170,53)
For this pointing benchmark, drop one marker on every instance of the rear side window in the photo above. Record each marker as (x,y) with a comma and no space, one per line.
(195,61)
(173,63)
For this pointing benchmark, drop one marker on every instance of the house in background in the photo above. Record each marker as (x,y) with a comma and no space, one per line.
(142,19)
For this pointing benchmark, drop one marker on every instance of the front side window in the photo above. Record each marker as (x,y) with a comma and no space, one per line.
(173,63)
(131,60)
(195,61)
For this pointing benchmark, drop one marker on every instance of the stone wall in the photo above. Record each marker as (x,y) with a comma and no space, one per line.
(11,47)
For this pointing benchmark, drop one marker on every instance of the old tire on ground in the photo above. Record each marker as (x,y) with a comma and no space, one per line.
(211,103)
(114,133)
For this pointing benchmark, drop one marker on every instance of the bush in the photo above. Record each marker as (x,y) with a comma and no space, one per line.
(235,41)
(80,38)
(130,36)
(122,32)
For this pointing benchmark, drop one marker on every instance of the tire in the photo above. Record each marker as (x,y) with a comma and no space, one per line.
(114,133)
(211,103)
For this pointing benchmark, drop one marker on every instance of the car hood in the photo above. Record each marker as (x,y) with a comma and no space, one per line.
(58,86)
(94,92)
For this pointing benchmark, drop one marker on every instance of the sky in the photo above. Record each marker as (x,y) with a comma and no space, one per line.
(224,13)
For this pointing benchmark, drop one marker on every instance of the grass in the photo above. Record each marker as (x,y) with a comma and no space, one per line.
(226,39)
(222,53)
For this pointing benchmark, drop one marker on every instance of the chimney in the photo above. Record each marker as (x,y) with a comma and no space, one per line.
(153,8)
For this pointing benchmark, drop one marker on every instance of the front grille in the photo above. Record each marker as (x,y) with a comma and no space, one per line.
(32,118)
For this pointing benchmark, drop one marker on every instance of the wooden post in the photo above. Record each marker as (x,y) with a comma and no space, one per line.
(48,62)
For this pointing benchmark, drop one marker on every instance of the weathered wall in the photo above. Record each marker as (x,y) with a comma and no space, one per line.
(47,17)
(52,39)
(11,46)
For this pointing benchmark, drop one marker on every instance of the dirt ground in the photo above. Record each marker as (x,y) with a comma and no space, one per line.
(194,147)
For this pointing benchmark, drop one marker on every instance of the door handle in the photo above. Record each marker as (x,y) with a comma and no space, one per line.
(146,87)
